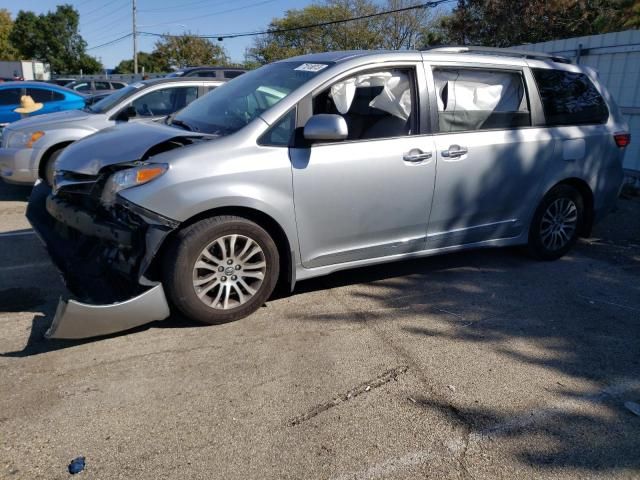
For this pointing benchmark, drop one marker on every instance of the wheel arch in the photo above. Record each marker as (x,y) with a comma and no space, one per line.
(273,228)
(587,196)
(50,151)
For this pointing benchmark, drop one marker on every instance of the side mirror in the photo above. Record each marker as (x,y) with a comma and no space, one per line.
(326,126)
(127,113)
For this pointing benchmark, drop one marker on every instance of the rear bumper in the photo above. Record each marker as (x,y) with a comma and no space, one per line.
(104,263)
(607,193)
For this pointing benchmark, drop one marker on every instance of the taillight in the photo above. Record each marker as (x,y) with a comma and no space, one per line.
(622,139)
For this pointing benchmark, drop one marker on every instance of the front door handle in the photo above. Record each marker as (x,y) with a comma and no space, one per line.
(455,151)
(416,156)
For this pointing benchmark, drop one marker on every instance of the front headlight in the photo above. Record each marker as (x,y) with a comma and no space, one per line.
(131,177)
(24,139)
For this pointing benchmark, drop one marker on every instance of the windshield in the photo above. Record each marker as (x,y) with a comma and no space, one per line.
(179,73)
(233,105)
(110,101)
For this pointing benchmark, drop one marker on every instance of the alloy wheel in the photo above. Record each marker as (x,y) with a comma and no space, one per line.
(558,224)
(229,272)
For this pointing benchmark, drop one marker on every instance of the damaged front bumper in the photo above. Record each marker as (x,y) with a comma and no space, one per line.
(105,256)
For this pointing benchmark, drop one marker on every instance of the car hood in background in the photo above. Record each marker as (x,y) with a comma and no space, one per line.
(40,121)
(120,144)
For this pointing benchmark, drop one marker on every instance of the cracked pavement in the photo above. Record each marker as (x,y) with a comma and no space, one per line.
(476,365)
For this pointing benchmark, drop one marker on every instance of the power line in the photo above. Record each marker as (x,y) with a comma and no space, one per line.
(182,6)
(102,17)
(98,9)
(107,26)
(305,27)
(221,12)
(111,42)
(431,4)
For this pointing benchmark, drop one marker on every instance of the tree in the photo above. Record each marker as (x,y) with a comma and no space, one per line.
(149,61)
(187,50)
(392,31)
(492,22)
(409,29)
(53,37)
(7,51)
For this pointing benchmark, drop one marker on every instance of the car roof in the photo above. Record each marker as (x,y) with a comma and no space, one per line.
(192,69)
(156,81)
(43,85)
(461,54)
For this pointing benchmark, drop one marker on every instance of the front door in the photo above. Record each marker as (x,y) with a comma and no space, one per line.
(367,196)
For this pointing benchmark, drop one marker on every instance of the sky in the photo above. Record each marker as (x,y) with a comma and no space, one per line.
(102,21)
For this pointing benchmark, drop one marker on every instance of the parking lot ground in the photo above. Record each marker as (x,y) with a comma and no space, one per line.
(475,365)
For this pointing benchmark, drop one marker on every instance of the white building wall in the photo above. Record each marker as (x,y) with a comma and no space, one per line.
(616,57)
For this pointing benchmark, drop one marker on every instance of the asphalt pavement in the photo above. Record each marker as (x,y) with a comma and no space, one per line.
(476,365)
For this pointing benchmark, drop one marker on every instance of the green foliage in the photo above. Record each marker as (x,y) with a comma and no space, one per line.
(394,31)
(187,50)
(53,38)
(493,23)
(7,51)
(149,61)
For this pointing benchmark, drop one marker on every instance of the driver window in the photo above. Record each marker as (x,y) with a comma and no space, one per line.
(376,104)
(156,103)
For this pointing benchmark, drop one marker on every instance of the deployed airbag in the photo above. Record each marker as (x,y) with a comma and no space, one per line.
(394,99)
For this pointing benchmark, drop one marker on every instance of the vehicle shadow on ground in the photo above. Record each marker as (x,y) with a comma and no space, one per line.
(14,193)
(574,316)
(37,343)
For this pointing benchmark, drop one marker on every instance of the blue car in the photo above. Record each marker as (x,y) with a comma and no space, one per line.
(52,97)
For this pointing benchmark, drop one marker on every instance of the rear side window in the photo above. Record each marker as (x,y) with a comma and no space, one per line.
(43,96)
(478,99)
(205,74)
(232,73)
(102,86)
(569,98)
(9,96)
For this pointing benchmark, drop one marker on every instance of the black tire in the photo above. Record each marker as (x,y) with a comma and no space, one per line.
(539,241)
(185,249)
(49,167)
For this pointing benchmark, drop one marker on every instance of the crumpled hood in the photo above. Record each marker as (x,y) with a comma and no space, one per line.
(44,121)
(122,143)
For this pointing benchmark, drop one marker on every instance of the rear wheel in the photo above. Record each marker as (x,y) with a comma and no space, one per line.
(556,223)
(220,269)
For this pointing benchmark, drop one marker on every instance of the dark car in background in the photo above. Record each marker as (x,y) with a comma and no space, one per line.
(61,82)
(94,86)
(219,73)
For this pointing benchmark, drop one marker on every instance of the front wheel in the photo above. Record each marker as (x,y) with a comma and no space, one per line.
(50,166)
(220,269)
(556,223)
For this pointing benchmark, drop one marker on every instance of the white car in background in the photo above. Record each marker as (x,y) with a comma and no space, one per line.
(30,146)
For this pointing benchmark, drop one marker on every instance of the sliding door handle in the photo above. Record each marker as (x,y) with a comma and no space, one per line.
(455,151)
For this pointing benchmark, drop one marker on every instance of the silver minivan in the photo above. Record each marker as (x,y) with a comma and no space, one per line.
(321,163)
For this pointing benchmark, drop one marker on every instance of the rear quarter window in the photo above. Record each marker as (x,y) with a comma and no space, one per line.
(44,96)
(569,98)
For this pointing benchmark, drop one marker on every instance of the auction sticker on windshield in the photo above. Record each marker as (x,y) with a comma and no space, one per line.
(311,67)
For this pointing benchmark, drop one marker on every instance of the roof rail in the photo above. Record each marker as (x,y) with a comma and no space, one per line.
(507,52)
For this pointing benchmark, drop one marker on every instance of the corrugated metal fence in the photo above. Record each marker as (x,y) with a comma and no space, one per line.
(616,57)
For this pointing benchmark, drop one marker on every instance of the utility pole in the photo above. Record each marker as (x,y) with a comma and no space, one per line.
(135,40)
